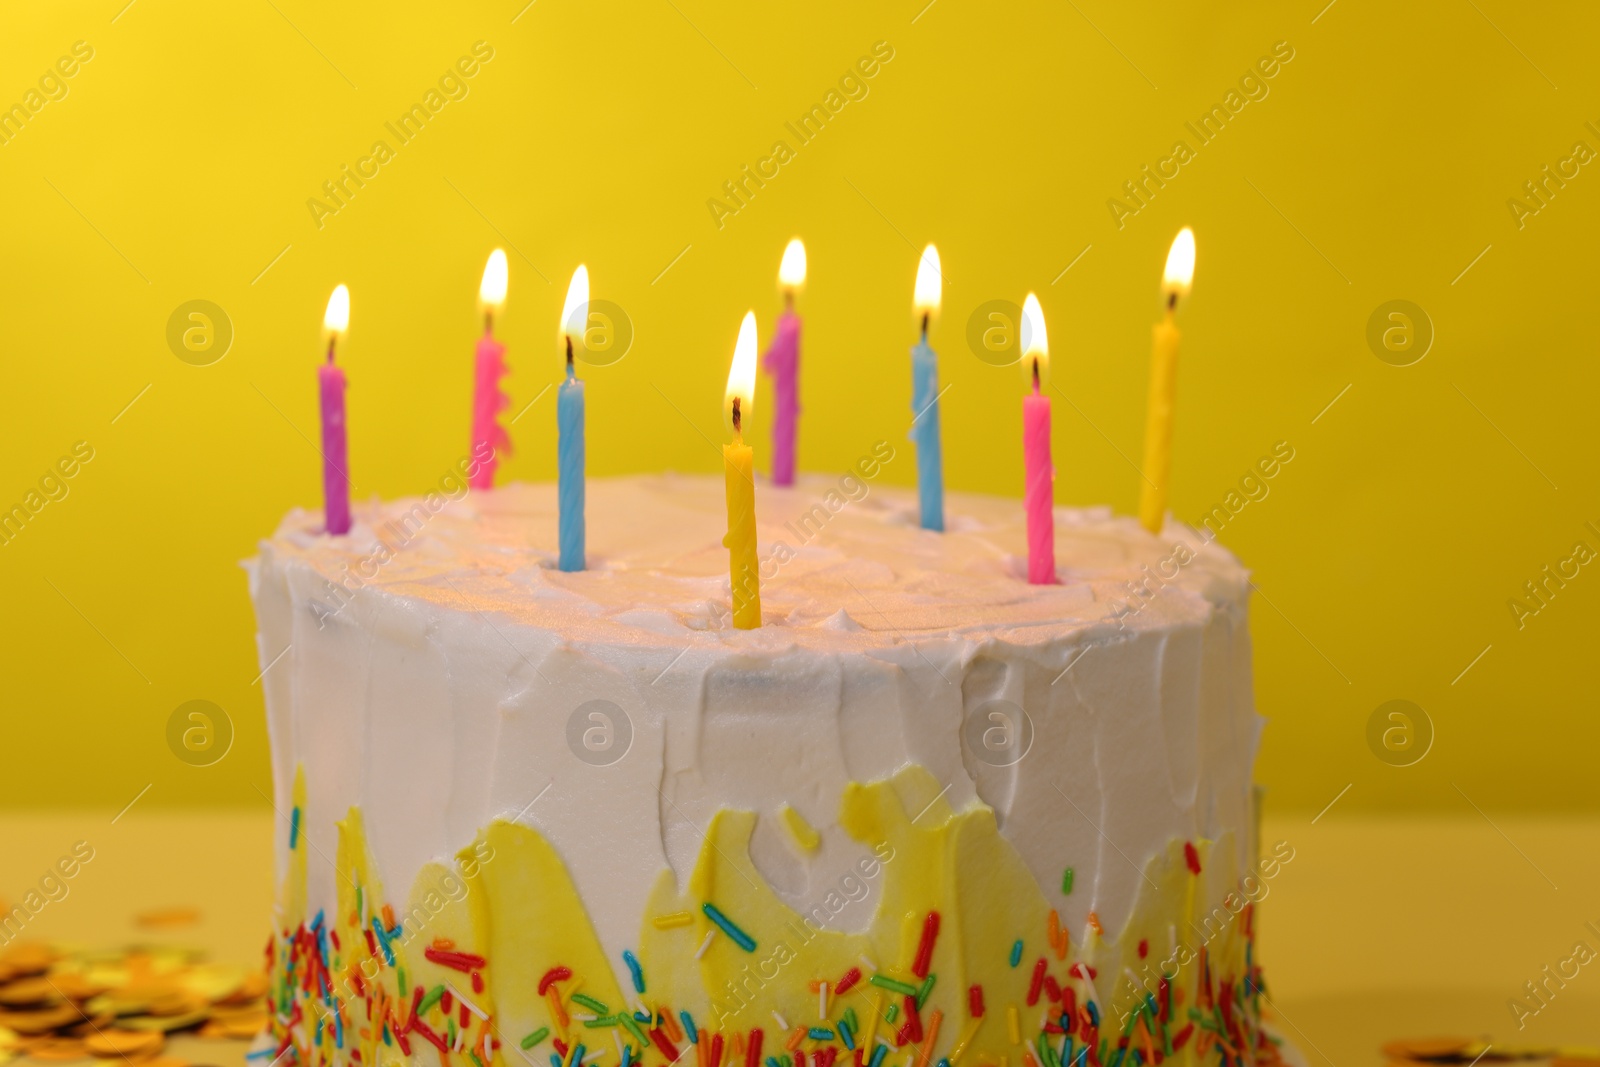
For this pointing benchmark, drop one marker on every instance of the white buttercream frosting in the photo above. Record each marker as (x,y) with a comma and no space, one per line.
(425,668)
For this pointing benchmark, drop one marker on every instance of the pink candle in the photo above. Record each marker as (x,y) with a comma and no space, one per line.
(489,438)
(1039,470)
(782,361)
(331,382)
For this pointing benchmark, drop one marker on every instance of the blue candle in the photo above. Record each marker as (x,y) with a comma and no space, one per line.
(569,430)
(925,397)
(925,432)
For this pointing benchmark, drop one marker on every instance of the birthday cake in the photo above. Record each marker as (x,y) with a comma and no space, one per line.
(927,812)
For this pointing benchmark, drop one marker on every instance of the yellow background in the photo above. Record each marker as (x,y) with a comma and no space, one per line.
(179,165)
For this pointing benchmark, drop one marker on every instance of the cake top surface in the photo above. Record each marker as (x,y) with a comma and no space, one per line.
(844,565)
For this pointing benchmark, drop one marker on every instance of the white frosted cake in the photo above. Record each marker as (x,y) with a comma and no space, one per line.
(928,812)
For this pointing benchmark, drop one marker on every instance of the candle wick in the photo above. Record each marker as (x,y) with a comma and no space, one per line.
(737,419)
(788,299)
(571,370)
(488,322)
(924,325)
(1172,301)
(1035,374)
(331,343)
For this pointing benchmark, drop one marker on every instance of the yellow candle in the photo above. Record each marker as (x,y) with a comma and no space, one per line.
(744,575)
(1163,384)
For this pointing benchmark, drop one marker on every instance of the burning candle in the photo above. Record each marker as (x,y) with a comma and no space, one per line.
(489,438)
(1040,472)
(1175,282)
(335,460)
(744,575)
(569,428)
(925,395)
(782,361)
(488,435)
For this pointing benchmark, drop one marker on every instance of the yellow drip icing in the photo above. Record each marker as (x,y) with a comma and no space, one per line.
(510,898)
(799,829)
(532,918)
(292,895)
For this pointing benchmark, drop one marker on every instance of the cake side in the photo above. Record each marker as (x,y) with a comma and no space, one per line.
(909,700)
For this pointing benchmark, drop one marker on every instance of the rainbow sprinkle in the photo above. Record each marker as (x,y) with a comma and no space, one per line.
(893,986)
(634,970)
(739,937)
(333,1006)
(592,1004)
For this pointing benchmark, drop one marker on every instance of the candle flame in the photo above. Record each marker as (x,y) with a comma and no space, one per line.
(492,290)
(336,319)
(741,375)
(1035,341)
(575,312)
(930,283)
(1180,268)
(792,271)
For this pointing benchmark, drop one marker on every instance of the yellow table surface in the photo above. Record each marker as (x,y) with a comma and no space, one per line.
(1376,929)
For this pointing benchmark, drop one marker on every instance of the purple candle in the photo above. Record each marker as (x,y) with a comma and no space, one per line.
(330,379)
(782,361)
